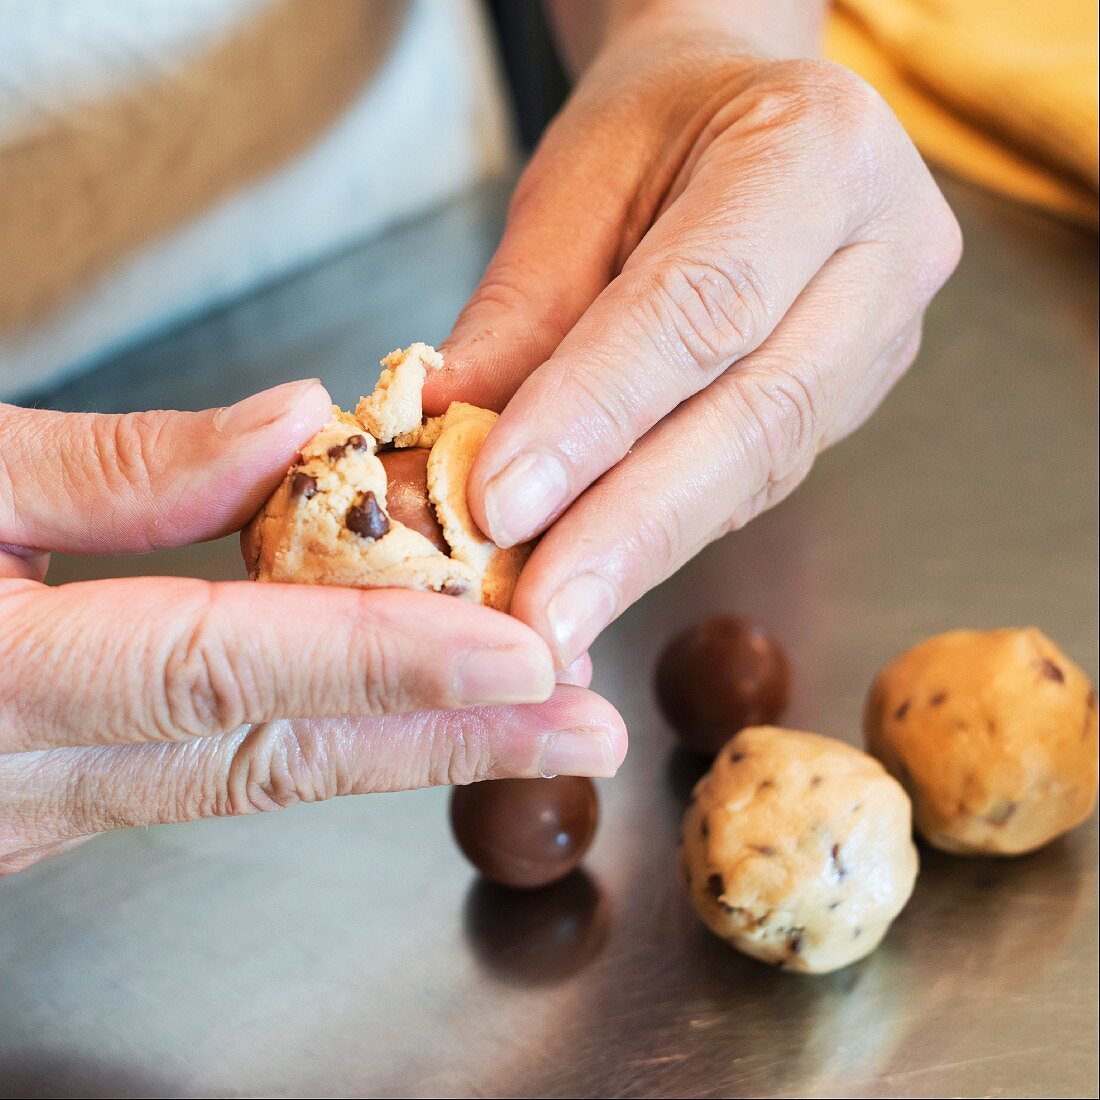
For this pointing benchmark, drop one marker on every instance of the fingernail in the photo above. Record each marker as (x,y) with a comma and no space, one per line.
(579,610)
(261,408)
(504,674)
(523,496)
(578,752)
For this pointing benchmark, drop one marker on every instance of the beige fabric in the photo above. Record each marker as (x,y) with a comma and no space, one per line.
(81,189)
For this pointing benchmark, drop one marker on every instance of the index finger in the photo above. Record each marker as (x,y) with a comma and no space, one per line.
(163,659)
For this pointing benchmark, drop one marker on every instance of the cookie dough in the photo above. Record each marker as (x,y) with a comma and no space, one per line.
(994,736)
(797,849)
(330,520)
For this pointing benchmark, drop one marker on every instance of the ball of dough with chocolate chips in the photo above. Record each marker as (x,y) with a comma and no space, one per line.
(797,849)
(994,736)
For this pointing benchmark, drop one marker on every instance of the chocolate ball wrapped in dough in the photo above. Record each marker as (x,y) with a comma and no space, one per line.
(332,521)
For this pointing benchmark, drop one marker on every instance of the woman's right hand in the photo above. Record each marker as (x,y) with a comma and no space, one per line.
(147,700)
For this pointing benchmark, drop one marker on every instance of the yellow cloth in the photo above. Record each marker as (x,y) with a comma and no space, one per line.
(1001,91)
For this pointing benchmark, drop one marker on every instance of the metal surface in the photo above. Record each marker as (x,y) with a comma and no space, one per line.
(345,949)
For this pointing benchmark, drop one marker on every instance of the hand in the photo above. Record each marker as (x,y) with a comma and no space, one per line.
(715,266)
(155,699)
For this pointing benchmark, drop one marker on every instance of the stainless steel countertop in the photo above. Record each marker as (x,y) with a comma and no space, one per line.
(346,950)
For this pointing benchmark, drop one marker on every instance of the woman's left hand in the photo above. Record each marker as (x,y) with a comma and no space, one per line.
(716,265)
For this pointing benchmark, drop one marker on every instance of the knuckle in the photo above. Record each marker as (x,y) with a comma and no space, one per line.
(828,108)
(785,413)
(202,693)
(461,753)
(388,685)
(710,312)
(658,539)
(123,453)
(123,448)
(823,94)
(268,770)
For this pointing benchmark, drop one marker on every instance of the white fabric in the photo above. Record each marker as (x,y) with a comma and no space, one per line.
(431,123)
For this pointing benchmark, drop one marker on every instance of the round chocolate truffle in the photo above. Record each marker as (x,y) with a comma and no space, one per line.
(525,832)
(407,493)
(719,677)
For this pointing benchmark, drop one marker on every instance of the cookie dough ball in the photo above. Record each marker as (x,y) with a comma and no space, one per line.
(797,849)
(993,734)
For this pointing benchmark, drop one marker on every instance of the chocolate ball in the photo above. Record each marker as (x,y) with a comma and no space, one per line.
(407,493)
(525,832)
(719,677)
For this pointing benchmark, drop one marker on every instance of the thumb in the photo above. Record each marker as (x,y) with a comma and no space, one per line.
(87,483)
(560,248)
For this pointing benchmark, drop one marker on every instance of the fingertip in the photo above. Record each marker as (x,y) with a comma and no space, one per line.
(440,388)
(578,674)
(293,406)
(312,409)
(577,708)
(306,412)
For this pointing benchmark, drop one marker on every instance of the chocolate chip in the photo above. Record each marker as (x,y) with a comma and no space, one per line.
(366,519)
(838,866)
(902,711)
(352,443)
(736,757)
(1002,814)
(704,829)
(795,942)
(303,485)
(453,588)
(765,850)
(816,781)
(1052,672)
(938,699)
(764,784)
(715,886)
